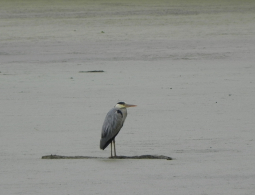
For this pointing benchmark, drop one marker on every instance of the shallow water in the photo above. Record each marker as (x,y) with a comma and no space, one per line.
(189,66)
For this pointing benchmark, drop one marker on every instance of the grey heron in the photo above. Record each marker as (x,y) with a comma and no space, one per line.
(113,122)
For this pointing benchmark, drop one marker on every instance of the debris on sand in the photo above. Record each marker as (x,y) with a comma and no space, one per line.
(91,71)
(114,157)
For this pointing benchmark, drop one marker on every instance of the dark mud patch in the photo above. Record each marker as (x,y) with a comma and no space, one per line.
(115,157)
(91,71)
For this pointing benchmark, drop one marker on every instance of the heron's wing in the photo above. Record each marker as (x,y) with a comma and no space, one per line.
(112,124)
(111,127)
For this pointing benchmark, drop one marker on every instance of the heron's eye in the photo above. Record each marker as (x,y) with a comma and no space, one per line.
(122,103)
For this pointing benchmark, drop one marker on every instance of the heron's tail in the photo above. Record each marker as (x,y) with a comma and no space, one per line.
(104,143)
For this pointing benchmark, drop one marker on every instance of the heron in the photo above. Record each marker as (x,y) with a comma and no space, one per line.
(113,122)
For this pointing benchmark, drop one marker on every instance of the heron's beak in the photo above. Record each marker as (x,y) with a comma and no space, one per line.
(129,105)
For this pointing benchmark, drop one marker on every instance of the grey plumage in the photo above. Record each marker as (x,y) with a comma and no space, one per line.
(113,122)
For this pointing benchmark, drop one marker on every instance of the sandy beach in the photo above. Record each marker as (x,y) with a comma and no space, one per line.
(188,65)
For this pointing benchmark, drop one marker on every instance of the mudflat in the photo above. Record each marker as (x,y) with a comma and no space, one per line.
(188,65)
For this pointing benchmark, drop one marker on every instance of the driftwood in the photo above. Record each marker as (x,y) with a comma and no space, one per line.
(91,71)
(115,157)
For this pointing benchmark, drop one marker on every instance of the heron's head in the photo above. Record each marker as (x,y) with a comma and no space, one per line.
(123,105)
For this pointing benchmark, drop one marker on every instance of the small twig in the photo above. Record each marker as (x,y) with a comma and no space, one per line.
(91,71)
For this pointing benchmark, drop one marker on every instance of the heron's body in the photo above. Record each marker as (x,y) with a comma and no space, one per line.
(113,122)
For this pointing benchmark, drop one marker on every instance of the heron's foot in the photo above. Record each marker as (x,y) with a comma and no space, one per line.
(113,156)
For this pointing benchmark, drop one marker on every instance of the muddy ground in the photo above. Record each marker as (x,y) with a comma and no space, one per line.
(188,65)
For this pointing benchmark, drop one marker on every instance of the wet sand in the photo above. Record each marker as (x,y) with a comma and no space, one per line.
(188,65)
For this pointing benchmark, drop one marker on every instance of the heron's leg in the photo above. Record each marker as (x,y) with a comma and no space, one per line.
(111,149)
(114,147)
